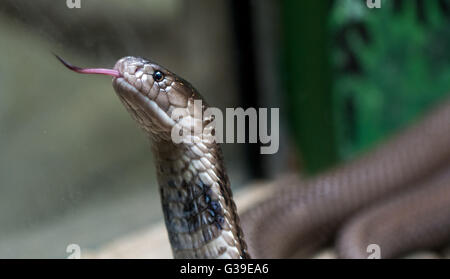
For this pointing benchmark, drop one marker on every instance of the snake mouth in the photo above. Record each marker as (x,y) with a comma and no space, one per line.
(141,105)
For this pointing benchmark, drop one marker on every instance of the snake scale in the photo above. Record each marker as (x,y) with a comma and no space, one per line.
(397,196)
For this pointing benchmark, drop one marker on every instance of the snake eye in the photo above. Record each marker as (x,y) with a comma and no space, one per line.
(158,76)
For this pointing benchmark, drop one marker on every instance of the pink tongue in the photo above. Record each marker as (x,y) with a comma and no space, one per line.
(108,72)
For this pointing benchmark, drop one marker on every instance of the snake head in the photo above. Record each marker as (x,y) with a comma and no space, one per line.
(156,98)
(150,92)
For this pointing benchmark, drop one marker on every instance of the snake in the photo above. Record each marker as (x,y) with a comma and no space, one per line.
(396,196)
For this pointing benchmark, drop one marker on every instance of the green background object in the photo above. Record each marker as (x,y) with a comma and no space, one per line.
(366,72)
(308,82)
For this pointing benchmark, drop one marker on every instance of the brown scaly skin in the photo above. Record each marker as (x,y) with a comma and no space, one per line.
(307,213)
(412,221)
(197,202)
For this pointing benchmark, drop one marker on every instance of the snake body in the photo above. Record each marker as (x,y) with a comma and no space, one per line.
(413,221)
(306,213)
(197,202)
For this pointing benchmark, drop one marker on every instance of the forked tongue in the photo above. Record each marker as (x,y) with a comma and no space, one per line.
(99,71)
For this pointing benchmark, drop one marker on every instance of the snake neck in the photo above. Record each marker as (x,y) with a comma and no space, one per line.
(197,202)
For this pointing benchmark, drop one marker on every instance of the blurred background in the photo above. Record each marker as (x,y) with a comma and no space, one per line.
(74,167)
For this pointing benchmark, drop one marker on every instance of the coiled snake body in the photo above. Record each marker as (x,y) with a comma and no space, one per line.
(199,210)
